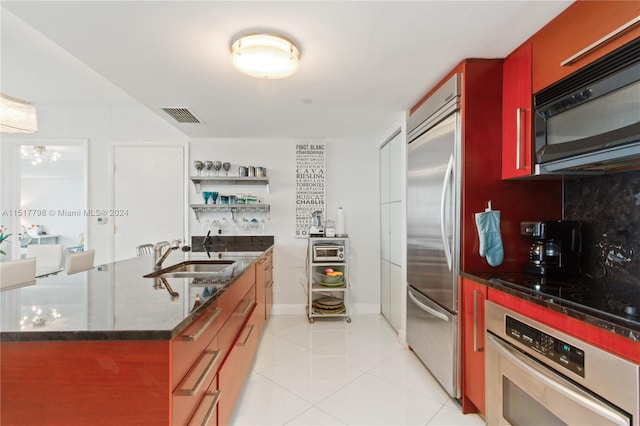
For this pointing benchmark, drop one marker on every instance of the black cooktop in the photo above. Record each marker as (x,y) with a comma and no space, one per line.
(583,292)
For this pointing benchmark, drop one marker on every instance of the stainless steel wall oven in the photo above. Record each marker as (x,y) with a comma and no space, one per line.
(536,375)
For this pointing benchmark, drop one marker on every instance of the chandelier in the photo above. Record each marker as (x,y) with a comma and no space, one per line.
(39,154)
(17,116)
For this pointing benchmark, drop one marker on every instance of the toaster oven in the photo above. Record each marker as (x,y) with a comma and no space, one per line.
(328,252)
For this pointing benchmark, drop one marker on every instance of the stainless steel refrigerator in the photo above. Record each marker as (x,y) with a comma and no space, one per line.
(433,233)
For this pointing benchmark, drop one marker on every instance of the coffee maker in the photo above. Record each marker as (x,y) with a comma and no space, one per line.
(556,248)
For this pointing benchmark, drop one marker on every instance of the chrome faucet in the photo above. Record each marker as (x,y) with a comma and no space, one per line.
(158,257)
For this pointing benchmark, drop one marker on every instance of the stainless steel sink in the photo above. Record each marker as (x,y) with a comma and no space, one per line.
(195,269)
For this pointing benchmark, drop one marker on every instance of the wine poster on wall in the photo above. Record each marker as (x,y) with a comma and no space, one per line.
(311,191)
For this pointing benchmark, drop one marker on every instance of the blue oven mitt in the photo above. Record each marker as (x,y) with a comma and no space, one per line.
(488,224)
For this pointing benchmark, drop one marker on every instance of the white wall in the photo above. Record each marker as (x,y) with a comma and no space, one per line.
(103,127)
(352,183)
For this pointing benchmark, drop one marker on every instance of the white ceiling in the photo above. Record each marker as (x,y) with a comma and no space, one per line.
(362,62)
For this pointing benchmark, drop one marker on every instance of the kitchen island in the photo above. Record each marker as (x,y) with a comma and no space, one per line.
(108,346)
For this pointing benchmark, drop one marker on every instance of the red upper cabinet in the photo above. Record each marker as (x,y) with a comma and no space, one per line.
(517,114)
(584,32)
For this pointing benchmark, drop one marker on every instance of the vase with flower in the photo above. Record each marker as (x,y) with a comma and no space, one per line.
(3,236)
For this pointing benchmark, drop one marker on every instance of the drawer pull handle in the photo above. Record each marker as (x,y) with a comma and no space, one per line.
(476,296)
(249,304)
(205,372)
(269,284)
(215,397)
(193,337)
(613,34)
(246,339)
(519,138)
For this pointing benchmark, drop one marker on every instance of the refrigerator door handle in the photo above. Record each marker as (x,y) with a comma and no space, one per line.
(426,308)
(443,198)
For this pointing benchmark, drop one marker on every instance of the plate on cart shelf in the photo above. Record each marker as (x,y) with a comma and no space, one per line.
(341,310)
(328,305)
(336,284)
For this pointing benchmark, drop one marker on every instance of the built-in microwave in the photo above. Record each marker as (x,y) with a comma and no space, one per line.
(591,119)
(328,252)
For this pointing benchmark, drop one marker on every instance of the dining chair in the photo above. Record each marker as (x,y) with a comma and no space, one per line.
(81,261)
(49,257)
(144,249)
(17,272)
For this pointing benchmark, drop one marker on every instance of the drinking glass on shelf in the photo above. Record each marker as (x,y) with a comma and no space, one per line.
(214,197)
(217,165)
(206,225)
(199,165)
(208,165)
(226,166)
(206,195)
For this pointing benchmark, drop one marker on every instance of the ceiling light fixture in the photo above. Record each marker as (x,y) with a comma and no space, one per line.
(264,55)
(17,116)
(39,154)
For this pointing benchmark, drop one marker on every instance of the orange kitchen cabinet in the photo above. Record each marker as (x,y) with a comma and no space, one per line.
(268,283)
(196,356)
(261,295)
(236,367)
(264,285)
(473,379)
(592,27)
(85,383)
(517,114)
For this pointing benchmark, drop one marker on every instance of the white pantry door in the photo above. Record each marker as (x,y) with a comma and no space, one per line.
(149,188)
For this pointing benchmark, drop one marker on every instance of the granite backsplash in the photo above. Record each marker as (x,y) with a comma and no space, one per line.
(220,243)
(609,208)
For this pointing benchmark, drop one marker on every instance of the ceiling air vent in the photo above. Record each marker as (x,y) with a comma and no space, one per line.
(181,115)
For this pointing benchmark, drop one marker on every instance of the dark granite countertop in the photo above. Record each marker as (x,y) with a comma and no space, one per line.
(112,301)
(605,315)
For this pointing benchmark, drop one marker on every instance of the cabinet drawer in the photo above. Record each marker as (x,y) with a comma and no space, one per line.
(229,332)
(188,395)
(187,347)
(206,413)
(236,367)
(232,296)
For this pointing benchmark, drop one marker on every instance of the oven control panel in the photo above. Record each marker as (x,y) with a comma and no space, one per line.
(562,353)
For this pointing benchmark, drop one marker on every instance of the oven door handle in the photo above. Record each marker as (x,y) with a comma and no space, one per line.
(536,371)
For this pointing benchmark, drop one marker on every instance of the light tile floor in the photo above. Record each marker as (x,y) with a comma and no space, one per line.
(336,373)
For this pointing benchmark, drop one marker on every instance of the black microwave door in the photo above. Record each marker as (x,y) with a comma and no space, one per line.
(615,138)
